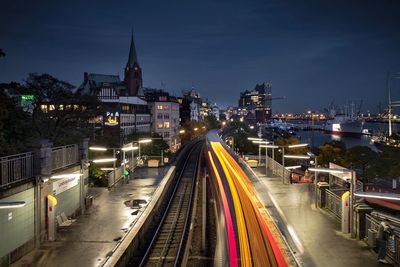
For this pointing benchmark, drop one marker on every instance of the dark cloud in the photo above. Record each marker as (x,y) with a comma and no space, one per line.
(314,52)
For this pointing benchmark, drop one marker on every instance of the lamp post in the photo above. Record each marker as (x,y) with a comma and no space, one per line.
(143,141)
(258,141)
(291,156)
(266,153)
(312,155)
(128,147)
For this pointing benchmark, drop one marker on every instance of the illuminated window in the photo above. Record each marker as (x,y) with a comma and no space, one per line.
(159,126)
(44,108)
(160,107)
(166,124)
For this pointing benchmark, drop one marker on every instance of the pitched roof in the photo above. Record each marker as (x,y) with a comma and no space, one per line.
(132,59)
(95,79)
(103,78)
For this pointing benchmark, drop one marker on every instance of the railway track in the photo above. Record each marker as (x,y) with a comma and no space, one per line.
(169,241)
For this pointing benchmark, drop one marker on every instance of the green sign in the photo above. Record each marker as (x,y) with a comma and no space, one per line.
(26,98)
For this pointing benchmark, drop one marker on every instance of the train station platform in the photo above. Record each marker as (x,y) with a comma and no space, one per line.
(314,234)
(92,237)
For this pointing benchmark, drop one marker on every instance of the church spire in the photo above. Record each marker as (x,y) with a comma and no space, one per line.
(132,59)
(133,72)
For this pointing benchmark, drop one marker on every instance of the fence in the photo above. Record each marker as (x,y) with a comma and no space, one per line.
(393,243)
(19,167)
(333,202)
(273,166)
(16,168)
(64,156)
(112,180)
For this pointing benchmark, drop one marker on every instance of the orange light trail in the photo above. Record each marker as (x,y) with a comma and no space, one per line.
(262,243)
(231,231)
(245,254)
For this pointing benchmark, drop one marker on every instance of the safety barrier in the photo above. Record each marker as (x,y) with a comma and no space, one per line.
(64,156)
(273,166)
(333,203)
(16,168)
(112,180)
(393,243)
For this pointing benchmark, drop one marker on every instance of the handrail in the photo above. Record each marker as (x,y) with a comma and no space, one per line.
(16,168)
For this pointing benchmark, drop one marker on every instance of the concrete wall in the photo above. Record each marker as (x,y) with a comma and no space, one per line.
(68,201)
(17,226)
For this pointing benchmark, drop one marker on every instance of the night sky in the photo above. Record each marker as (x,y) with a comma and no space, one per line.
(314,52)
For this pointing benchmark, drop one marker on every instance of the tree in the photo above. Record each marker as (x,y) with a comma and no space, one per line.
(152,149)
(58,113)
(331,152)
(360,157)
(386,165)
(193,129)
(53,112)
(15,127)
(211,122)
(285,142)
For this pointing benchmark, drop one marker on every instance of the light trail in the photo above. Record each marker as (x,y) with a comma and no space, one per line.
(245,254)
(231,232)
(263,245)
(253,196)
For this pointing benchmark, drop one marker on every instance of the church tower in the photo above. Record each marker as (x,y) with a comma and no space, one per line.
(133,72)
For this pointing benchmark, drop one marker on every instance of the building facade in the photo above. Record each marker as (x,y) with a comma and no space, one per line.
(258,101)
(125,110)
(215,111)
(165,116)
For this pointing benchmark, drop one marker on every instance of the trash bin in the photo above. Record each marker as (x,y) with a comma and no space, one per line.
(88,201)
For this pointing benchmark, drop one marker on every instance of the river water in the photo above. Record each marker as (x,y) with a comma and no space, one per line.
(318,138)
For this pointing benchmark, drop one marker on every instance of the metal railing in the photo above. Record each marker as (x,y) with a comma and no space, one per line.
(273,166)
(333,203)
(16,168)
(119,172)
(393,242)
(64,156)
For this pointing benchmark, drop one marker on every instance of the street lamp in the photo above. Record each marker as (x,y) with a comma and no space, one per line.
(296,156)
(104,160)
(96,148)
(11,204)
(272,146)
(291,156)
(351,179)
(255,139)
(143,141)
(66,175)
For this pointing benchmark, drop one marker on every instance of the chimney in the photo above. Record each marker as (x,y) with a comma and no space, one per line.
(85,77)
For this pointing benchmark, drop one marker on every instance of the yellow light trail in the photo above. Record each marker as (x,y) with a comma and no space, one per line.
(268,254)
(262,253)
(245,254)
